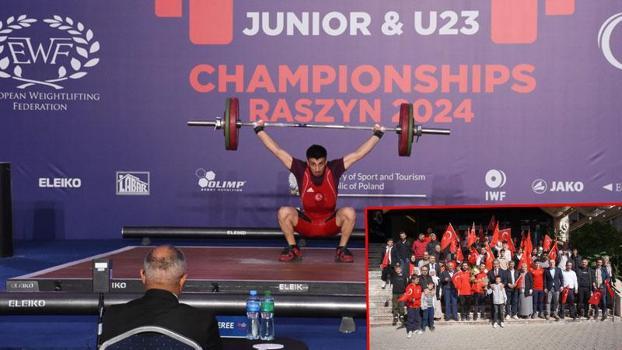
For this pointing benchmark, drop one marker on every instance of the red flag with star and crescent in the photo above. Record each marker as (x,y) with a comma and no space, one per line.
(449,238)
(471,237)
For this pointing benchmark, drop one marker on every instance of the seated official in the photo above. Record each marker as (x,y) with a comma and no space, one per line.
(163,275)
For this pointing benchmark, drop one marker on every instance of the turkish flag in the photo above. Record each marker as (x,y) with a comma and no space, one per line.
(489,258)
(547,243)
(449,237)
(471,237)
(595,298)
(525,259)
(495,236)
(553,252)
(564,295)
(506,236)
(526,243)
(492,223)
(473,255)
(459,256)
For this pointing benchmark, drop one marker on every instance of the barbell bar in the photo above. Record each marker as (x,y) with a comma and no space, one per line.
(230,123)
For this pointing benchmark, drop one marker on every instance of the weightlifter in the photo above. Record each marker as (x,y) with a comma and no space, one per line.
(318,181)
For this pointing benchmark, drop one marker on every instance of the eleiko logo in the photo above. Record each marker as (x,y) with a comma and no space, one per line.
(133,183)
(516,21)
(67,56)
(604,39)
(60,182)
(208,183)
(539,186)
(211,22)
(495,178)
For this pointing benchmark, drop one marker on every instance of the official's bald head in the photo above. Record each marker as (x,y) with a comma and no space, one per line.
(164,267)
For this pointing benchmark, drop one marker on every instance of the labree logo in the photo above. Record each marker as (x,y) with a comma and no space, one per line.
(512,21)
(25,54)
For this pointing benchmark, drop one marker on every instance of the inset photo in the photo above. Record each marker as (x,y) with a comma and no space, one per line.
(475,277)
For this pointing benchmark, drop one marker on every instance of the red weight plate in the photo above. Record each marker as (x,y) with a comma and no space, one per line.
(405,135)
(232,123)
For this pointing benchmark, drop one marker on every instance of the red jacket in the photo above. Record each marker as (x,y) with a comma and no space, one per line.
(538,279)
(462,281)
(419,247)
(412,296)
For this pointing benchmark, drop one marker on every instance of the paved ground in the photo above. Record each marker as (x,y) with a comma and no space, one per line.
(583,335)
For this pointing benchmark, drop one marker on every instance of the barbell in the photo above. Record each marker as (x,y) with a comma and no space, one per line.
(407,130)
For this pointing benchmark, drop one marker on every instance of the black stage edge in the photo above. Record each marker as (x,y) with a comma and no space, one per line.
(205,232)
(6,211)
(59,303)
(79,285)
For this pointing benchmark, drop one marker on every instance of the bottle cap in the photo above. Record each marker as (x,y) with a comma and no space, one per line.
(253,292)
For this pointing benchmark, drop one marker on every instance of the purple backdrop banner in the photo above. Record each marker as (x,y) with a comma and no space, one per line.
(95,96)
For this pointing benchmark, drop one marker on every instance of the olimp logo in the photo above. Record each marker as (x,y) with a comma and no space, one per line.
(41,57)
(209,183)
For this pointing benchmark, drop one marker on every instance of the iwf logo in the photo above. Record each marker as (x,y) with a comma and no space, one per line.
(68,54)
(495,179)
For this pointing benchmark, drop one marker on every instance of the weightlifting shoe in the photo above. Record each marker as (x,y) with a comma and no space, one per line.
(290,254)
(343,255)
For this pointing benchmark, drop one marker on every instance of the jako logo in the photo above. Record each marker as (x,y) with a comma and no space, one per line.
(211,22)
(68,55)
(495,179)
(604,39)
(540,186)
(60,182)
(133,183)
(208,183)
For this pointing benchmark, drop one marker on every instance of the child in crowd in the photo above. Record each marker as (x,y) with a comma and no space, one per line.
(428,300)
(412,298)
(498,301)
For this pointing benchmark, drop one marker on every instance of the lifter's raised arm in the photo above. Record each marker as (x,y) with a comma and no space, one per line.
(271,145)
(365,148)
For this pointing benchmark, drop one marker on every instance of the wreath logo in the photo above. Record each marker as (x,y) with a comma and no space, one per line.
(84,51)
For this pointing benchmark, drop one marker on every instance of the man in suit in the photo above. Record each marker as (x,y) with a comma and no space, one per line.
(553,283)
(601,277)
(492,274)
(513,293)
(450,293)
(163,275)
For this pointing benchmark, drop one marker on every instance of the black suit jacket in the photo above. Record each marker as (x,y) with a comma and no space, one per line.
(161,308)
(528,283)
(502,273)
(437,268)
(553,283)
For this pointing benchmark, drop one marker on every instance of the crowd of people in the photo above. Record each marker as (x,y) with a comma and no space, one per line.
(489,276)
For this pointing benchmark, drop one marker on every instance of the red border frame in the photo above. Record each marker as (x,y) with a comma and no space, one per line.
(454,206)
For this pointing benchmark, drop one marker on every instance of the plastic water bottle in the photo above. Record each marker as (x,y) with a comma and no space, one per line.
(267,317)
(252,315)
